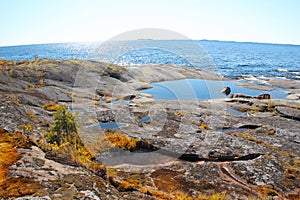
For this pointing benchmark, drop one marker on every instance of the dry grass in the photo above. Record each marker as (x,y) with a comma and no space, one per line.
(64,139)
(180,113)
(122,141)
(51,106)
(204,126)
(31,116)
(156,193)
(41,83)
(217,196)
(26,128)
(143,80)
(14,100)
(265,191)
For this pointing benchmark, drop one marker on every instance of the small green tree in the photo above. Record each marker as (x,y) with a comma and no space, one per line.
(64,128)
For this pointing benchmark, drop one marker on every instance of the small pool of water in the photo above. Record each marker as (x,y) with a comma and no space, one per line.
(116,101)
(235,112)
(188,89)
(145,119)
(109,125)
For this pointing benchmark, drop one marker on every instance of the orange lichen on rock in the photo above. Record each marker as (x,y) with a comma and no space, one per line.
(8,152)
(13,187)
(6,64)
(18,187)
(8,156)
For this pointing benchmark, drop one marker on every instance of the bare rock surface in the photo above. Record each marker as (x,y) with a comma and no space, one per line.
(245,146)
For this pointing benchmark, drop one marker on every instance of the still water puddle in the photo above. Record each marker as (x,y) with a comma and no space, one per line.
(190,89)
(145,119)
(109,125)
(235,112)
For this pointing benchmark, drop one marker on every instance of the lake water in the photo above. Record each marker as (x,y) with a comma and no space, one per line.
(232,59)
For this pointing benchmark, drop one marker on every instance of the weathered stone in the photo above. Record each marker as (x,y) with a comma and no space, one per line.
(263,96)
(105,116)
(226,90)
(293,97)
(291,113)
(194,146)
(240,96)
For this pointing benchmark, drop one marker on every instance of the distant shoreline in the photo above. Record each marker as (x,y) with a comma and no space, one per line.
(99,42)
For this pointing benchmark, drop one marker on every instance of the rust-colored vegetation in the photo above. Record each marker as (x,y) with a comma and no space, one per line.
(63,138)
(51,106)
(204,126)
(122,141)
(15,186)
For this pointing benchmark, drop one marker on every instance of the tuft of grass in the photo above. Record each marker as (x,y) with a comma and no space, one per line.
(41,83)
(51,106)
(217,196)
(115,68)
(122,141)
(265,191)
(123,186)
(96,103)
(182,196)
(143,80)
(26,128)
(204,126)
(30,87)
(14,100)
(31,115)
(180,113)
(156,193)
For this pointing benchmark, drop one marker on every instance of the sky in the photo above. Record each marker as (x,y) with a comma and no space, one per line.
(54,21)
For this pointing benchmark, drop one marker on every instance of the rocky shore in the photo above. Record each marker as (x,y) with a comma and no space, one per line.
(132,146)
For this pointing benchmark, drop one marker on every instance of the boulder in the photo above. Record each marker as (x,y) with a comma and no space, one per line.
(226,90)
(129,97)
(293,97)
(105,116)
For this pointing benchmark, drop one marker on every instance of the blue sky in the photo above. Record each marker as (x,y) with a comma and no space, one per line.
(50,21)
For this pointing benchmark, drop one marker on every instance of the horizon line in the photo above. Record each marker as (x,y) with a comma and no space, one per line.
(211,40)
